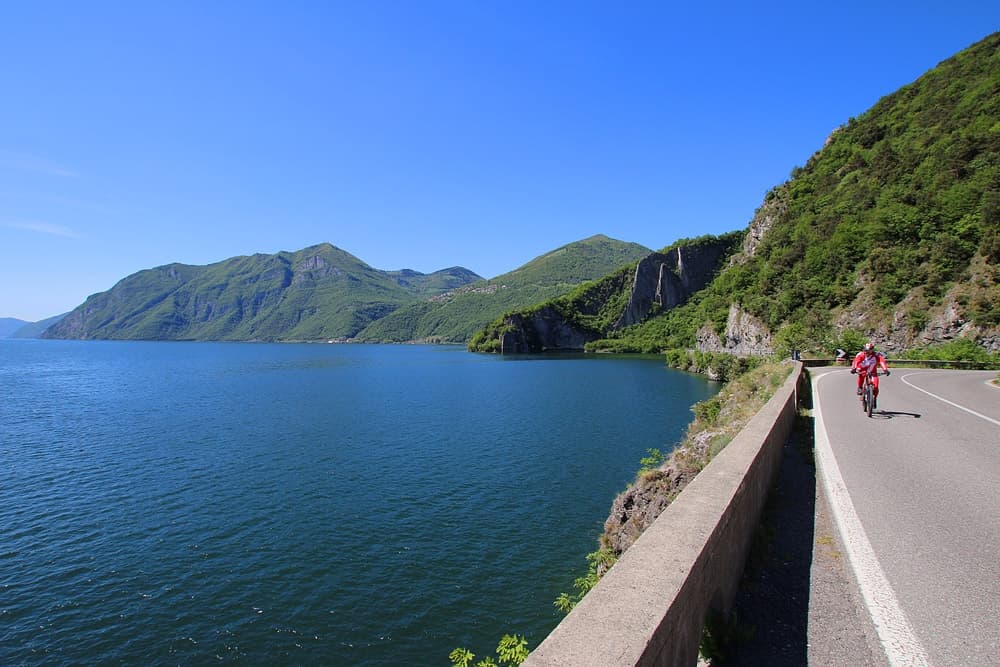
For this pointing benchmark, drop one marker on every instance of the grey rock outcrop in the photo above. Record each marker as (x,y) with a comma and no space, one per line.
(634,509)
(745,335)
(773,209)
(543,330)
(665,281)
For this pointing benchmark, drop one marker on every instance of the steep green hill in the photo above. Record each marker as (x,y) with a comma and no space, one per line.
(454,316)
(891,231)
(317,293)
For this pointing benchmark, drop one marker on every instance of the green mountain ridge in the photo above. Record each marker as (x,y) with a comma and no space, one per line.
(317,293)
(454,316)
(324,293)
(891,231)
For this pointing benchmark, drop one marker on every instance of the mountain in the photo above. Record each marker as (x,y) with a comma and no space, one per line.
(455,315)
(35,329)
(890,232)
(317,293)
(8,325)
(635,292)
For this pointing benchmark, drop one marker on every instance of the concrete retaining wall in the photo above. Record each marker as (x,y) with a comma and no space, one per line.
(650,608)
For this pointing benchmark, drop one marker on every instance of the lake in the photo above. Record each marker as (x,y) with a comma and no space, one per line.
(196,503)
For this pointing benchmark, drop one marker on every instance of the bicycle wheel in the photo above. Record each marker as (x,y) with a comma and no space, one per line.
(869,400)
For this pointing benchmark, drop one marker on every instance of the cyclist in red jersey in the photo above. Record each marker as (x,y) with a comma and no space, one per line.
(869,361)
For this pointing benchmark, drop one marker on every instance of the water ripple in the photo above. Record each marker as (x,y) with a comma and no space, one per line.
(293,504)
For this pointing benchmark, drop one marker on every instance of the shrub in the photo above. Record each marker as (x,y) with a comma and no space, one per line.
(512,650)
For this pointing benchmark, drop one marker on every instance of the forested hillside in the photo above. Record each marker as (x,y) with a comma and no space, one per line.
(896,221)
(323,293)
(456,315)
(658,282)
(317,293)
(890,231)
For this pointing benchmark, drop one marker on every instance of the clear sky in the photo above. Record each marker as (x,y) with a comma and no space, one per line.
(417,134)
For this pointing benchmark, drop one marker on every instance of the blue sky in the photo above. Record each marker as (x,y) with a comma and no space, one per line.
(414,134)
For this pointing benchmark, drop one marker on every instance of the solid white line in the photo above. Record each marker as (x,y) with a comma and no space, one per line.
(945,400)
(898,639)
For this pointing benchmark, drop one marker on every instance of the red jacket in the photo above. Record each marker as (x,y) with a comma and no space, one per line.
(864,363)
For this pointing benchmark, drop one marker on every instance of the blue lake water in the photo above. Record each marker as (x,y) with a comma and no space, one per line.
(191,503)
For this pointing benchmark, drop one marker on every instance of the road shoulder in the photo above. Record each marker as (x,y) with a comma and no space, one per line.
(798,601)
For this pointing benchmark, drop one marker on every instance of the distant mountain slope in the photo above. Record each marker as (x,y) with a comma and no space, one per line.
(454,316)
(317,293)
(35,329)
(8,325)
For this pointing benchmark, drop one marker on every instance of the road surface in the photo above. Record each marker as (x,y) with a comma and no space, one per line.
(915,494)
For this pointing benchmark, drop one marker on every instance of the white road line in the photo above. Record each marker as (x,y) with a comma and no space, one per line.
(945,400)
(898,639)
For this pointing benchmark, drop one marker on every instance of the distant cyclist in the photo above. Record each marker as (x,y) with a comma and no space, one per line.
(869,361)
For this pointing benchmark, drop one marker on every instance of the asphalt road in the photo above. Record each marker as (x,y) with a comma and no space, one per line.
(915,494)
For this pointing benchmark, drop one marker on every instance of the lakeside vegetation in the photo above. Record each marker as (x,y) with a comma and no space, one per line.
(661,477)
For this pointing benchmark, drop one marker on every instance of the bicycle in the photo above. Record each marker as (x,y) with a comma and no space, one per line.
(868,399)
(868,393)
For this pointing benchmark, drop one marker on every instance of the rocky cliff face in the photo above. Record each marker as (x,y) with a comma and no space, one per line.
(773,209)
(543,330)
(665,281)
(918,321)
(745,335)
(636,508)
(661,281)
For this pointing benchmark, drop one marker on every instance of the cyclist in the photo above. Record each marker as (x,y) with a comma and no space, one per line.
(869,361)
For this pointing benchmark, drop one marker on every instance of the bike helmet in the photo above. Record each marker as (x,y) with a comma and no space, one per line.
(869,347)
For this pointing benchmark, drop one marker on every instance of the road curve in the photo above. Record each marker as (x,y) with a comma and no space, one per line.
(915,491)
